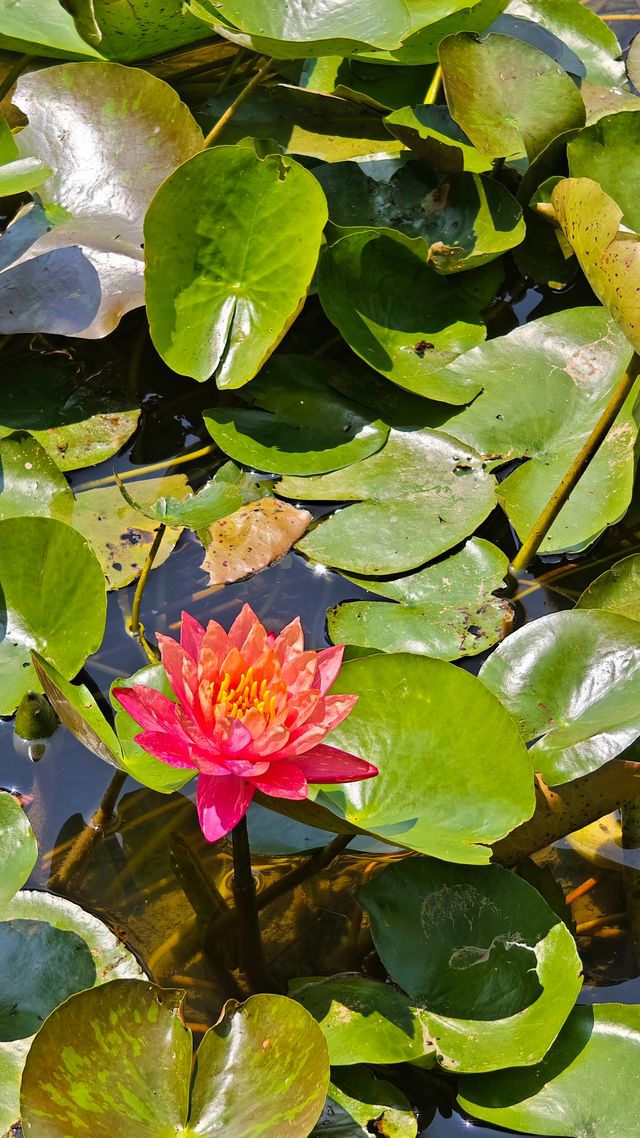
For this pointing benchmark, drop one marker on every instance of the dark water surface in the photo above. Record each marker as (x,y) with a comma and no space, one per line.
(138,878)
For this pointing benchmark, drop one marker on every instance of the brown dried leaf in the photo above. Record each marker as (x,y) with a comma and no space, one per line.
(252,538)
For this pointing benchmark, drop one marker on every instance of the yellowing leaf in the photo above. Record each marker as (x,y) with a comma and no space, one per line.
(252,538)
(609,256)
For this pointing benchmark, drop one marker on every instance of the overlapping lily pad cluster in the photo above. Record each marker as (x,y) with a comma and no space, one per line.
(331,246)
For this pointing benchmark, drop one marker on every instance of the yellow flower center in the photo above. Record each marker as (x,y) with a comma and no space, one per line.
(248,693)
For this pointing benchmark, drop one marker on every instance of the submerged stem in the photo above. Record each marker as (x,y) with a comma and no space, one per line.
(582,461)
(135,627)
(237,102)
(630,874)
(252,956)
(434,88)
(91,833)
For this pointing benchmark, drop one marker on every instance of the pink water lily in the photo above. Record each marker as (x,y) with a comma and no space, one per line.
(251,713)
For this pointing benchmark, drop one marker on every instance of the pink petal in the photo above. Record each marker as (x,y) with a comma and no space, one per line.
(290,642)
(330,764)
(221,803)
(150,708)
(233,737)
(300,707)
(255,644)
(329,662)
(308,736)
(335,709)
(282,780)
(299,673)
(245,621)
(191,635)
(215,646)
(181,670)
(168,748)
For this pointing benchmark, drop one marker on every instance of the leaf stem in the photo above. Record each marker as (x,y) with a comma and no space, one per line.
(91,833)
(135,627)
(14,73)
(236,60)
(434,88)
(216,131)
(252,956)
(582,461)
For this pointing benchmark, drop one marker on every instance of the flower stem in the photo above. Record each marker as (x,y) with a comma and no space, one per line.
(135,628)
(314,864)
(252,956)
(92,832)
(582,461)
(237,102)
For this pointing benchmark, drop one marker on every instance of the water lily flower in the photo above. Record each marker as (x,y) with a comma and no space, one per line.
(251,713)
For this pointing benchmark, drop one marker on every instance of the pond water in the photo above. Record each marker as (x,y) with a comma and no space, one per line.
(140,878)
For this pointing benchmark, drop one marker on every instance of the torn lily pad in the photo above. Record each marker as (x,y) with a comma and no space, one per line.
(130,131)
(494,969)
(446,610)
(417,497)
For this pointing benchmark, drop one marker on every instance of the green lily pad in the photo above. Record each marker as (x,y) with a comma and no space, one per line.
(436,137)
(135,29)
(609,257)
(281,31)
(263,1067)
(41,27)
(397,314)
(50,948)
(359,1104)
(296,423)
(446,610)
(580,1089)
(120,534)
(606,152)
(544,676)
(509,98)
(581,30)
(617,590)
(79,713)
(417,497)
(18,848)
(22,175)
(422,46)
(495,969)
(363,1020)
(53,600)
(633,62)
(131,130)
(544,387)
(303,122)
(30,482)
(228,490)
(142,766)
(376,86)
(464,219)
(231,243)
(79,419)
(468,751)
